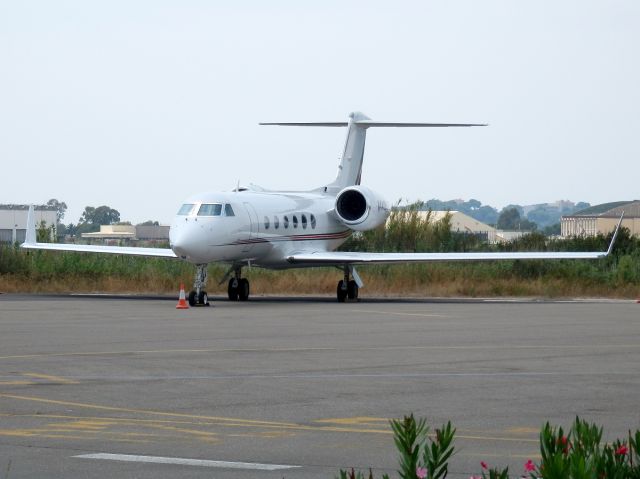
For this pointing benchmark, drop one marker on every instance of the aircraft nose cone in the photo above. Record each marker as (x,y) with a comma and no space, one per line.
(180,242)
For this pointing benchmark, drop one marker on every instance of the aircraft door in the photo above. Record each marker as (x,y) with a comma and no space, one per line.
(253,221)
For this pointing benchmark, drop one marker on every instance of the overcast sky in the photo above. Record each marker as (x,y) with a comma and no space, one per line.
(139,104)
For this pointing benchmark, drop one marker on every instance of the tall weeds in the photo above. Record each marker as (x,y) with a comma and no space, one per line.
(615,276)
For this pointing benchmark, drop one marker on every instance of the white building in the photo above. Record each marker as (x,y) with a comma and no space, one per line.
(602,219)
(13,221)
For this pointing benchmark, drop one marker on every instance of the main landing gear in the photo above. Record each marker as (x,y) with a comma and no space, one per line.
(348,288)
(238,289)
(198,296)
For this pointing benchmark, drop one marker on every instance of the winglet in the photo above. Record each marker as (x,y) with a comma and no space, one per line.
(30,237)
(615,235)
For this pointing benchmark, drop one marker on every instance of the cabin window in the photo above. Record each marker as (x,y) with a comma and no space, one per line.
(186,209)
(276,222)
(285,222)
(304,221)
(210,209)
(266,222)
(313,221)
(228,210)
(295,221)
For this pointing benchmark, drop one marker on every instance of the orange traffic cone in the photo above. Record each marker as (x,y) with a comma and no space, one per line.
(182,302)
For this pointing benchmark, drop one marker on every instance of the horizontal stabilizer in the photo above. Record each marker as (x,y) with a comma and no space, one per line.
(312,123)
(350,168)
(371,123)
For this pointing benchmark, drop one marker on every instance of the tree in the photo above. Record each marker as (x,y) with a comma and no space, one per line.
(581,205)
(517,207)
(508,219)
(149,223)
(473,204)
(486,214)
(92,218)
(102,215)
(544,215)
(553,230)
(44,233)
(60,207)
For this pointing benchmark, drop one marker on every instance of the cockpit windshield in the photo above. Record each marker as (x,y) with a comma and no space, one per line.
(208,209)
(185,209)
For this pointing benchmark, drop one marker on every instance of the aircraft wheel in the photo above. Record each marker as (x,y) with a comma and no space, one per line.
(203,298)
(243,289)
(341,292)
(233,289)
(352,290)
(192,298)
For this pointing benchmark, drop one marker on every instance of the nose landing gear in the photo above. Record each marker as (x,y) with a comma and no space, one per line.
(198,296)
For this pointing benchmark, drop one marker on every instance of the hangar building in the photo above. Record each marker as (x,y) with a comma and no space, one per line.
(13,221)
(110,234)
(602,219)
(462,223)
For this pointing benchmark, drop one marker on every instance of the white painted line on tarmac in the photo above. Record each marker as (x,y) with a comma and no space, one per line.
(187,462)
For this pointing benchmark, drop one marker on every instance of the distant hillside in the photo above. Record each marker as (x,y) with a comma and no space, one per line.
(542,214)
(474,208)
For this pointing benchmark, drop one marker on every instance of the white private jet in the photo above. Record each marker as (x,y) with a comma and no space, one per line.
(290,229)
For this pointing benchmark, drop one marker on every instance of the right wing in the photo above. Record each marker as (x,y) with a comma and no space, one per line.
(126,250)
(31,243)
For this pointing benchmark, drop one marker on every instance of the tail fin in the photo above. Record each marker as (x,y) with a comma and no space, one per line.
(31,237)
(350,167)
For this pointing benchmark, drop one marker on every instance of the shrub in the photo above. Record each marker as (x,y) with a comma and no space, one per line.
(578,454)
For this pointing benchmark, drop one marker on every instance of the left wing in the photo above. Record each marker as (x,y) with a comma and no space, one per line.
(343,258)
(338,257)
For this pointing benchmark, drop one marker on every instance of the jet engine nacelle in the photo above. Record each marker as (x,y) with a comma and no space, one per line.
(360,208)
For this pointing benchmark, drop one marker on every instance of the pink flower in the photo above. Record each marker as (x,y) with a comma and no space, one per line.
(484,465)
(421,472)
(563,441)
(529,466)
(622,450)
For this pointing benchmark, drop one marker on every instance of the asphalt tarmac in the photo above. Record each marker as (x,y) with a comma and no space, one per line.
(95,387)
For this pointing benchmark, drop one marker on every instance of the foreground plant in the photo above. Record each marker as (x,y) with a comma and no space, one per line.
(576,454)
(580,454)
(421,456)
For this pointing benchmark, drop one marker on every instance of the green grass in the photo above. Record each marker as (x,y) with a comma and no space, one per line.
(46,271)
(617,275)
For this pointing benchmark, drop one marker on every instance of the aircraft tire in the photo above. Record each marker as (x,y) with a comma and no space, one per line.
(243,289)
(352,290)
(341,293)
(203,298)
(192,298)
(232,292)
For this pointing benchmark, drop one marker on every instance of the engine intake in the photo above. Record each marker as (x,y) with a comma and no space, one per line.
(360,208)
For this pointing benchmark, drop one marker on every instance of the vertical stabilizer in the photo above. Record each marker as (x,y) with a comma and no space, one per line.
(350,167)
(30,236)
